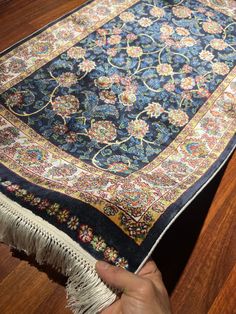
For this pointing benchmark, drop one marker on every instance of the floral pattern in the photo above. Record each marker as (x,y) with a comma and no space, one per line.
(98,94)
(85,233)
(102,131)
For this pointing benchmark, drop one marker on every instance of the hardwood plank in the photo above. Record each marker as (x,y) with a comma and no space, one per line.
(225,300)
(55,303)
(21,18)
(19,291)
(226,189)
(47,295)
(213,257)
(7,262)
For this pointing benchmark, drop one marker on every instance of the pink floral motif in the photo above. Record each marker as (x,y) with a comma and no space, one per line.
(182,31)
(71,137)
(103,82)
(13,187)
(127,98)
(177,117)
(43,204)
(154,110)
(145,22)
(87,66)
(166,29)
(187,83)
(134,51)
(76,53)
(206,55)
(157,12)
(131,37)
(109,97)
(218,44)
(117,31)
(127,17)
(15,100)
(212,27)
(112,52)
(164,69)
(114,39)
(102,31)
(220,68)
(170,87)
(138,128)
(60,128)
(110,254)
(67,79)
(187,68)
(85,233)
(182,12)
(102,131)
(188,41)
(65,105)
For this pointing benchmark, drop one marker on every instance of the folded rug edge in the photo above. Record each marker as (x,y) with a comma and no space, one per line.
(20,228)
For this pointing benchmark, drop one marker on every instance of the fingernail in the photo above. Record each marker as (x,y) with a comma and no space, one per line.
(102,265)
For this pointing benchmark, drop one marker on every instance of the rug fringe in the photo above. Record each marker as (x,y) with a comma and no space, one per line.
(27,232)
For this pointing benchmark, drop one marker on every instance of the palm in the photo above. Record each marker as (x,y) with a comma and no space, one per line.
(132,303)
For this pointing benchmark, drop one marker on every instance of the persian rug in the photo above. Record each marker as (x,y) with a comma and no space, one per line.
(112,120)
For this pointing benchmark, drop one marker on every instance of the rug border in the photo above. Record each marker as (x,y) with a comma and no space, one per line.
(225,156)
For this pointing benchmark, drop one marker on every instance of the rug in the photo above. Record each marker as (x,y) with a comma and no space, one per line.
(113,118)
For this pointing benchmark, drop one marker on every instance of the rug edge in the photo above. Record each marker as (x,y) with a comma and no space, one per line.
(172,221)
(23,230)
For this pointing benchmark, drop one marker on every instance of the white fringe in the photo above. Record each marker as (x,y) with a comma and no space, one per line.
(25,231)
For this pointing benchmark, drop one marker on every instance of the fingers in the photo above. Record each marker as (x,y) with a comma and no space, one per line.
(144,291)
(117,277)
(148,268)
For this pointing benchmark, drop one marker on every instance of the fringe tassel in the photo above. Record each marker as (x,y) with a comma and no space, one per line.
(27,232)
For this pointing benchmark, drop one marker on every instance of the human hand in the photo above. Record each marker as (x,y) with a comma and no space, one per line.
(143,293)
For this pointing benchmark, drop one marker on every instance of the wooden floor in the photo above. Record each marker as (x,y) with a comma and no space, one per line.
(197,256)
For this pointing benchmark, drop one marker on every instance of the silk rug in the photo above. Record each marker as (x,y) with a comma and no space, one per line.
(112,120)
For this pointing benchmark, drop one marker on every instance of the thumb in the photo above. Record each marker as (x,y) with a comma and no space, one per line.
(117,277)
